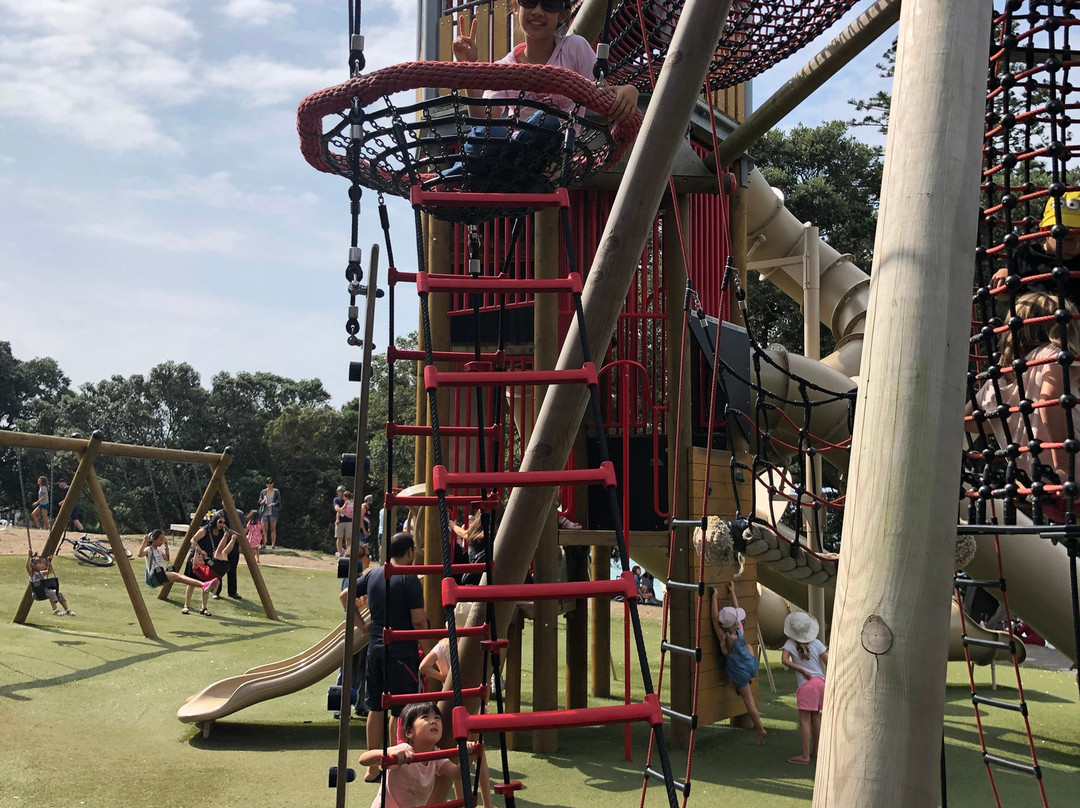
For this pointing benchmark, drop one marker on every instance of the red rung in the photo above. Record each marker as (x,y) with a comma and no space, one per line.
(454,593)
(559,198)
(399,634)
(648,711)
(424,500)
(392,429)
(495,645)
(427,282)
(477,367)
(434,378)
(504,789)
(390,569)
(389,700)
(443,479)
(496,358)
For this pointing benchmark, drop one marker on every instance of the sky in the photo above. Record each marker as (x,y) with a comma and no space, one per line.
(154,205)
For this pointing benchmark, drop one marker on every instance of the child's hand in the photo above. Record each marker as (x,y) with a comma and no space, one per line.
(402,753)
(465,49)
(625,103)
(473,748)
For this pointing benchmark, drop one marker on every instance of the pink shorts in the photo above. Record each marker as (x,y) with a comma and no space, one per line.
(811,696)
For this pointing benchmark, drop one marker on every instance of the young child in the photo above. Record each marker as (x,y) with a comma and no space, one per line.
(1043,380)
(740,665)
(1033,259)
(39,510)
(40,569)
(805,654)
(409,783)
(254,533)
(540,20)
(156,552)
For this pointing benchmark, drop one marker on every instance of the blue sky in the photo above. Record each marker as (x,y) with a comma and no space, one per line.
(154,205)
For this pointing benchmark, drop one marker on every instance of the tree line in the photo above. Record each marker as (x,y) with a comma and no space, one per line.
(276,427)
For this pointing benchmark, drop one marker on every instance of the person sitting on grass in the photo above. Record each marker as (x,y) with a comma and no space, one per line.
(409,783)
(156,552)
(40,571)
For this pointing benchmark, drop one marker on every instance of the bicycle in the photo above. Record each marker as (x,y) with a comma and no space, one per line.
(87,551)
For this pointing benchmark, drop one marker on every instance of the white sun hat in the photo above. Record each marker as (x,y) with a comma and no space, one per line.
(801,627)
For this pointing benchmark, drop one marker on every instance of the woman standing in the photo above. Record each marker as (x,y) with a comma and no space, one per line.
(269,506)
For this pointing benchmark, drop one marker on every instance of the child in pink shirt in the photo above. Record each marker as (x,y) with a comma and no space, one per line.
(409,783)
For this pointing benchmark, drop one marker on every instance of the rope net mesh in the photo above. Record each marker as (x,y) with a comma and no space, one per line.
(456,143)
(756,36)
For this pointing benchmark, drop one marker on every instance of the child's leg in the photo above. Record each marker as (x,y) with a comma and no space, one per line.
(752,711)
(187,596)
(221,552)
(804,735)
(815,731)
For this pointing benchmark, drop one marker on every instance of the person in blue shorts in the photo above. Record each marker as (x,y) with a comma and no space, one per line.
(740,665)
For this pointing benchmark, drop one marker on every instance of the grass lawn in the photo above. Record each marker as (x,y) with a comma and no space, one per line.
(88,711)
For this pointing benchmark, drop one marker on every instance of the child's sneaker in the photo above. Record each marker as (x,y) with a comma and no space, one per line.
(58,612)
(69,613)
(209,584)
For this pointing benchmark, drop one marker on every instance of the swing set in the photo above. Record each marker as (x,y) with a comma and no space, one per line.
(87,450)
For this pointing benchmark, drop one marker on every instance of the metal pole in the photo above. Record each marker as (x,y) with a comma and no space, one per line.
(885,696)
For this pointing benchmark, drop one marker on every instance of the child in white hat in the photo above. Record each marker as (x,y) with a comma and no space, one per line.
(805,654)
(740,665)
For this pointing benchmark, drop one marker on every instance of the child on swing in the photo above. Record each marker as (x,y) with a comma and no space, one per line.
(156,552)
(41,572)
(409,783)
(540,20)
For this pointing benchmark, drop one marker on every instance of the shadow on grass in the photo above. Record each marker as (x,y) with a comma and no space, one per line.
(16,690)
(240,736)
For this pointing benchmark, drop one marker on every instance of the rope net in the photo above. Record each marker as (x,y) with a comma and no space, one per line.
(756,36)
(554,136)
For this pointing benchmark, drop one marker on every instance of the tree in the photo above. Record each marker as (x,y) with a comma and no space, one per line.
(832,180)
(877,106)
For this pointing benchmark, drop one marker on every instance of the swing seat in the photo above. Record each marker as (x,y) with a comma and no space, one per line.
(40,589)
(438,144)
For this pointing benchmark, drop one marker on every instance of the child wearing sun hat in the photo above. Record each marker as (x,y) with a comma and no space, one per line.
(739,663)
(1040,258)
(805,654)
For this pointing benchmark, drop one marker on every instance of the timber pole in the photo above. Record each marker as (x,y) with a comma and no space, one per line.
(884,703)
(852,41)
(609,278)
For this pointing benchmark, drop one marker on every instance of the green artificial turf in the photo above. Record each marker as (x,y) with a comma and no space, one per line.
(88,709)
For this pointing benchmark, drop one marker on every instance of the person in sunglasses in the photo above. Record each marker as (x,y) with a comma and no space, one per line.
(541,21)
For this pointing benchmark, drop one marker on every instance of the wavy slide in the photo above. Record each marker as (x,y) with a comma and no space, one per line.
(270,681)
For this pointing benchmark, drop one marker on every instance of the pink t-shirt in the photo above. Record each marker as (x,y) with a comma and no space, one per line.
(572,52)
(409,785)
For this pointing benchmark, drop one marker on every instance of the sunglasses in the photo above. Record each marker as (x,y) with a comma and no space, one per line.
(550,6)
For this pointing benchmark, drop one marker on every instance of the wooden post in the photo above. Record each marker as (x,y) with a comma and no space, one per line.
(245,548)
(884,703)
(217,475)
(609,279)
(131,584)
(681,605)
(577,632)
(440,235)
(86,464)
(512,671)
(600,624)
(546,559)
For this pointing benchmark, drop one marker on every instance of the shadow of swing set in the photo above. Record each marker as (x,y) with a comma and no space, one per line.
(87,450)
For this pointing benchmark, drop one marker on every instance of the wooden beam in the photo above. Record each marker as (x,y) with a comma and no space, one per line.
(881,731)
(56,443)
(131,583)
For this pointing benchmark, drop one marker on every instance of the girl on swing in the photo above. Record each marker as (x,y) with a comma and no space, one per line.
(41,572)
(156,552)
(541,20)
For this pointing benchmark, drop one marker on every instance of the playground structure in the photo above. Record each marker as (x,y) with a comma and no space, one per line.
(85,477)
(899,526)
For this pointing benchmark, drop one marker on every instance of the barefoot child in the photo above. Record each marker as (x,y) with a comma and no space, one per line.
(40,571)
(740,665)
(805,654)
(409,782)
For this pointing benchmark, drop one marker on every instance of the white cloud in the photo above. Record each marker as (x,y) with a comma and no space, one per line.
(260,81)
(95,70)
(218,190)
(217,241)
(257,12)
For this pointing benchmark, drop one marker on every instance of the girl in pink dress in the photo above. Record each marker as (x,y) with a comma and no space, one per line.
(409,782)
(254,533)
